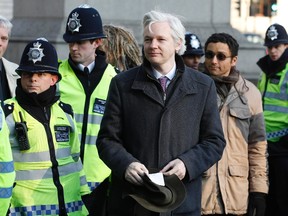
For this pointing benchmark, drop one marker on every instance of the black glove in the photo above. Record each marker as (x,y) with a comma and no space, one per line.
(257,204)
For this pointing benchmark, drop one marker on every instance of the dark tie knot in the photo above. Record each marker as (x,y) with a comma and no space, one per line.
(86,70)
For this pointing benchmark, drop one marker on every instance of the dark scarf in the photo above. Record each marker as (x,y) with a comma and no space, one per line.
(224,84)
(270,67)
(34,103)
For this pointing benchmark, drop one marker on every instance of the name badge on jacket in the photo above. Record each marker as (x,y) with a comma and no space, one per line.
(62,133)
(275,79)
(99,106)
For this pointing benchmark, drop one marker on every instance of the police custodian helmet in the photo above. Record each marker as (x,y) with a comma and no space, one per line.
(83,23)
(275,34)
(39,56)
(193,45)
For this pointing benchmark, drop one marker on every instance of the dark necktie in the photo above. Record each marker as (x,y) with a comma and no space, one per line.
(86,70)
(163,81)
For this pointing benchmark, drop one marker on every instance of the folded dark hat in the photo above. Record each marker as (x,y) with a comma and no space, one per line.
(158,198)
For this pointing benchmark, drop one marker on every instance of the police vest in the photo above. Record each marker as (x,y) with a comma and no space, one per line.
(275,104)
(72,92)
(51,162)
(7,174)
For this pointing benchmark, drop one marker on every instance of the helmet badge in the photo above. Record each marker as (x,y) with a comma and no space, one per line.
(272,33)
(36,53)
(194,42)
(74,23)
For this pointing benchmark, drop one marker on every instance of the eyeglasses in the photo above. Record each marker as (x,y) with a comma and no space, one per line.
(220,56)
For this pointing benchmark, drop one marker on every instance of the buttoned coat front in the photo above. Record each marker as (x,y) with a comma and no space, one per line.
(139,125)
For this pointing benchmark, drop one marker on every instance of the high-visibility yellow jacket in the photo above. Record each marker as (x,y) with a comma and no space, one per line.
(7,173)
(275,98)
(88,111)
(49,175)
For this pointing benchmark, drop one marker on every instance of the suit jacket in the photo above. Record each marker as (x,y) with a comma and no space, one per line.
(11,75)
(138,125)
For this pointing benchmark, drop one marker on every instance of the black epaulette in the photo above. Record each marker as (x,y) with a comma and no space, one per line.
(67,108)
(8,109)
(117,70)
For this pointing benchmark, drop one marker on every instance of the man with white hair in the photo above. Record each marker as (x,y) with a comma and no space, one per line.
(160,116)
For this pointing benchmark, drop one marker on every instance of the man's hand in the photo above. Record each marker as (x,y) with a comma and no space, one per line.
(257,204)
(134,172)
(176,167)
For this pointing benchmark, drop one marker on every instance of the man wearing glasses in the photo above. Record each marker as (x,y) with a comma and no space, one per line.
(238,183)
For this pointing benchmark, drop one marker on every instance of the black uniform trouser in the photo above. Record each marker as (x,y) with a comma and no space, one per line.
(96,201)
(277,200)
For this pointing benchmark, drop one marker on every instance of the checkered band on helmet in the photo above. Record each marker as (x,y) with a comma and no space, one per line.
(83,23)
(275,34)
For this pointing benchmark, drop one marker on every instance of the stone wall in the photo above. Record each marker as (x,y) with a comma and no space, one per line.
(42,18)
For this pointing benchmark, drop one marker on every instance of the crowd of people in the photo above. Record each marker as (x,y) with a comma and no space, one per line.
(88,134)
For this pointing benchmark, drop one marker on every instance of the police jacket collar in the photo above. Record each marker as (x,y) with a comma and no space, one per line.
(270,67)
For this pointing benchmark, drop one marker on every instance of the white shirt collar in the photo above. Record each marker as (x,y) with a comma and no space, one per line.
(169,75)
(90,66)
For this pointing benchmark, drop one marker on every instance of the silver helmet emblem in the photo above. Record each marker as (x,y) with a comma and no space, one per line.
(272,33)
(35,53)
(74,23)
(195,43)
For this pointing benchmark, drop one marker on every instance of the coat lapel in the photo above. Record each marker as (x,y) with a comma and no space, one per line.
(182,89)
(233,94)
(149,87)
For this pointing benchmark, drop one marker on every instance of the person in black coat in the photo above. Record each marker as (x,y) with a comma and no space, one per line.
(174,129)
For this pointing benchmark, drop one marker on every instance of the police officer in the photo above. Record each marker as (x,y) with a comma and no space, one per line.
(7,173)
(194,51)
(273,86)
(49,175)
(85,81)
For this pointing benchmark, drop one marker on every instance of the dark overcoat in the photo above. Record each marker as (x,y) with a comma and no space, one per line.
(139,125)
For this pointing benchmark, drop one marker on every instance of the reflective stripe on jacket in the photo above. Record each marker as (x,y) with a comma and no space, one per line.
(7,173)
(38,178)
(72,92)
(275,96)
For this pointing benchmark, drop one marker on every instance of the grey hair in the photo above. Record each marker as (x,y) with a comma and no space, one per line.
(178,30)
(5,23)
